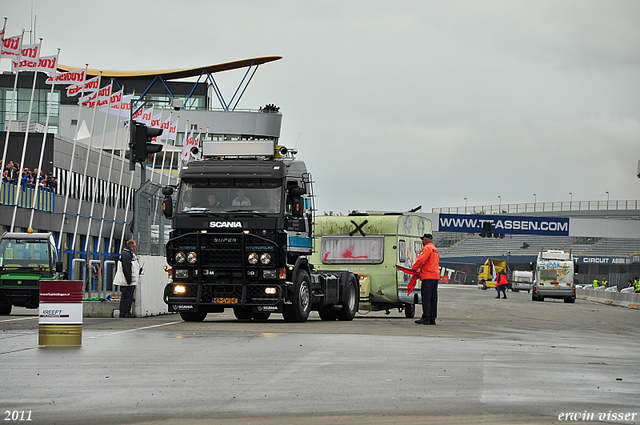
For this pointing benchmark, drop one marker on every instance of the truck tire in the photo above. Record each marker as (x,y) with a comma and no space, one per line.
(242,313)
(300,307)
(351,298)
(409,311)
(5,310)
(193,316)
(570,300)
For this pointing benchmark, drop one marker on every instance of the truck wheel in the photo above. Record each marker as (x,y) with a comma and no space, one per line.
(570,300)
(190,316)
(5,310)
(260,316)
(351,295)
(409,311)
(300,307)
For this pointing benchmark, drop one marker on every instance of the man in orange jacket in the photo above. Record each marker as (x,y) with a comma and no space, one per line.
(428,267)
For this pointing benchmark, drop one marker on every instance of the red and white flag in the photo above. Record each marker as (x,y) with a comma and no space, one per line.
(173,131)
(155,123)
(71,77)
(186,147)
(28,58)
(48,64)
(11,46)
(137,115)
(92,85)
(99,98)
(146,117)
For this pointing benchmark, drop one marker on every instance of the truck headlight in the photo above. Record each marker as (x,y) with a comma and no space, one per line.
(192,257)
(265,259)
(253,258)
(180,257)
(179,289)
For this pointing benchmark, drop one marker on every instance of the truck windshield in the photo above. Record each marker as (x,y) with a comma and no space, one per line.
(231,195)
(25,253)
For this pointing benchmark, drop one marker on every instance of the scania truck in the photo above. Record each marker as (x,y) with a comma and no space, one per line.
(25,260)
(242,237)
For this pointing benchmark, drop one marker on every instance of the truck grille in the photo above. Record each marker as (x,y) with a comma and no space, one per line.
(217,251)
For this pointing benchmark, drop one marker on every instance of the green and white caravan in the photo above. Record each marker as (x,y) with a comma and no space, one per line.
(370,246)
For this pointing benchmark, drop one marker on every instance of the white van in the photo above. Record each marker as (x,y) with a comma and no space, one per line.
(554,276)
(521,281)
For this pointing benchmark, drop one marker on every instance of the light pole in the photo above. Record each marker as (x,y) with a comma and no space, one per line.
(570,199)
(607,192)
(465,204)
(534,198)
(500,202)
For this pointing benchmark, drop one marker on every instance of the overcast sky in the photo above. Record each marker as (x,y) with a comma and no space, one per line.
(395,104)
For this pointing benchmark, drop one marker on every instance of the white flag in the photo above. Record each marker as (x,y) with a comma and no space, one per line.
(71,77)
(48,64)
(99,98)
(11,47)
(173,131)
(92,85)
(27,60)
(186,145)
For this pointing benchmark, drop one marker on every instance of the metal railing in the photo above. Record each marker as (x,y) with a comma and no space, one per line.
(536,207)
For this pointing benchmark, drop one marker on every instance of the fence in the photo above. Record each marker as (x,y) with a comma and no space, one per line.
(44,202)
(537,207)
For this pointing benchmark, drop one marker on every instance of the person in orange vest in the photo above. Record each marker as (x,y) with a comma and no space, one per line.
(428,267)
(501,284)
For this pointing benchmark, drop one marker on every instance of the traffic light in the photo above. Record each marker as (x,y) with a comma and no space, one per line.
(487,231)
(141,146)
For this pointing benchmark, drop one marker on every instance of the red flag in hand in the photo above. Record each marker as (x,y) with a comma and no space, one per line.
(414,278)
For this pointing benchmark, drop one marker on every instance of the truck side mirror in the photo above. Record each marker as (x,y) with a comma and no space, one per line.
(297,191)
(531,266)
(167,206)
(58,266)
(167,191)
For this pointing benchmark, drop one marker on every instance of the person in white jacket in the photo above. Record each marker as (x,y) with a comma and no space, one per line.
(131,270)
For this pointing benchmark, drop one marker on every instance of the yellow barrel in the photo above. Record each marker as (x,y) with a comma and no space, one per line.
(60,336)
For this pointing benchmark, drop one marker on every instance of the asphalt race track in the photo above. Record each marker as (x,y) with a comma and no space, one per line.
(490,361)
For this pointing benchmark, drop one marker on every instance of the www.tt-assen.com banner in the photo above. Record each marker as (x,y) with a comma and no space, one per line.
(504,224)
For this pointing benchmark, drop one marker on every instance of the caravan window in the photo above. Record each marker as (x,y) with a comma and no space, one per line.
(402,251)
(352,249)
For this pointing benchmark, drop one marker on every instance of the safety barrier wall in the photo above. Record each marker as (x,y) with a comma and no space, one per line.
(628,300)
(149,293)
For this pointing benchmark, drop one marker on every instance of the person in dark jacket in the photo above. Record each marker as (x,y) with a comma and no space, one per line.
(132,271)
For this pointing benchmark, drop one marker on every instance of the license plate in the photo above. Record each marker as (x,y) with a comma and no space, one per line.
(225,300)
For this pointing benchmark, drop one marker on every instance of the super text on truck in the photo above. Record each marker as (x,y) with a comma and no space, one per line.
(371,245)
(553,276)
(242,237)
(25,260)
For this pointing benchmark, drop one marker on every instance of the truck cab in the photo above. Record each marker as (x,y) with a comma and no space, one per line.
(242,234)
(25,260)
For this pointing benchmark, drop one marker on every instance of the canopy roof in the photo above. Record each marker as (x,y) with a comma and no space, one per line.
(174,74)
